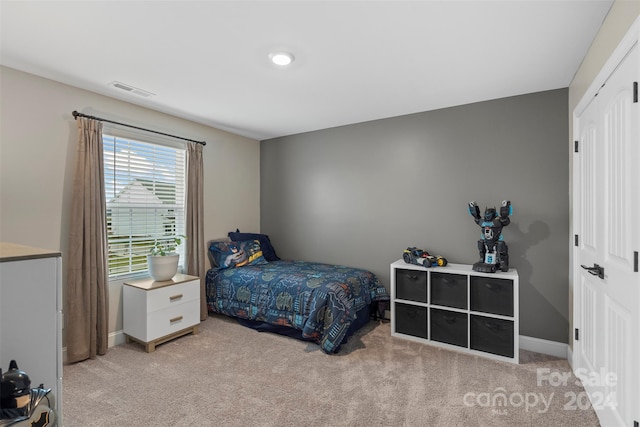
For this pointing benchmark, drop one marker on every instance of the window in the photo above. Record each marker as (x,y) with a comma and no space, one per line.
(145,193)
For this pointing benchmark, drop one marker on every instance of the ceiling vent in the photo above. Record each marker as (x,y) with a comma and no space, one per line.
(131,89)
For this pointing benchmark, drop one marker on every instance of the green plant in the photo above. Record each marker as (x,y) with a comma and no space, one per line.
(166,246)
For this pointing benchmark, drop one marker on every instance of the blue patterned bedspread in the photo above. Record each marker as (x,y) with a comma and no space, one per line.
(321,300)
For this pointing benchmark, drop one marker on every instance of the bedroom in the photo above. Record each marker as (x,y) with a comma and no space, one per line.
(323,218)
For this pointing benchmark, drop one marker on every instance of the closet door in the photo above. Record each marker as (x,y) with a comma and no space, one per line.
(606,280)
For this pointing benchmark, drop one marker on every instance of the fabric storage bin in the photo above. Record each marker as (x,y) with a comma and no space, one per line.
(492,335)
(449,290)
(449,327)
(411,285)
(411,320)
(491,295)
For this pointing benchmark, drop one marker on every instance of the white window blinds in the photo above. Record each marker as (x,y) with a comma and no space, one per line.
(145,194)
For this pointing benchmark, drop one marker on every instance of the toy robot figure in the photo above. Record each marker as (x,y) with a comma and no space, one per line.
(494,253)
(21,405)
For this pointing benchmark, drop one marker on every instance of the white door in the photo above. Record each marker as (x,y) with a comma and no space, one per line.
(606,220)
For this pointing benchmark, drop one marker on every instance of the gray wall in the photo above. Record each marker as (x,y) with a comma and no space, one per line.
(360,194)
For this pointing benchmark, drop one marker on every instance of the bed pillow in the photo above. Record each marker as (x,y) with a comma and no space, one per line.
(267,248)
(237,254)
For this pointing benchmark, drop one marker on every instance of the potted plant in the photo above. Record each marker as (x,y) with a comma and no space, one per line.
(163,259)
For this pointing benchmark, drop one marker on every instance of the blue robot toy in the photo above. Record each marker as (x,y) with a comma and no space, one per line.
(494,253)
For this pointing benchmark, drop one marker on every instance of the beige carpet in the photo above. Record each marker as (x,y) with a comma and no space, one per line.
(229,375)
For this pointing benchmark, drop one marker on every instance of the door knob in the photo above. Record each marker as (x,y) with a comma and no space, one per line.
(596,270)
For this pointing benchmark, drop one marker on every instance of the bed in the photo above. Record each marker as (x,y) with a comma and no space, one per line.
(312,301)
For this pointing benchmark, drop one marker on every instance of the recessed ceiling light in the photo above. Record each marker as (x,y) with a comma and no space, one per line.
(281,58)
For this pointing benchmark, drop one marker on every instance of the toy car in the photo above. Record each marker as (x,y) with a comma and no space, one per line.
(421,257)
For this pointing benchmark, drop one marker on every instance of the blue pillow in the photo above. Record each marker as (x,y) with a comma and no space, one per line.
(267,248)
(237,254)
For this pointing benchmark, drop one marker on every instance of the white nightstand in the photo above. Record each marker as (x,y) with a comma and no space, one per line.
(156,312)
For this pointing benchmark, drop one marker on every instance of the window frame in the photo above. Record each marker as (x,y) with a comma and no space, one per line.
(144,243)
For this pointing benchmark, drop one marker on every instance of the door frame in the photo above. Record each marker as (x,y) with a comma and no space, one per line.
(631,38)
(624,47)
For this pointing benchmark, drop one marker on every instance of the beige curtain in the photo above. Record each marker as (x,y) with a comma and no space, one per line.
(87,303)
(195,220)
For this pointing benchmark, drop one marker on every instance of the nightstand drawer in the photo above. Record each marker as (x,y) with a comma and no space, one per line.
(172,319)
(169,296)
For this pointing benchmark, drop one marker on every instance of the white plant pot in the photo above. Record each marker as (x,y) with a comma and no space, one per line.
(163,268)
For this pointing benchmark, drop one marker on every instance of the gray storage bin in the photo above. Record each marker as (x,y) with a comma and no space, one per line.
(449,290)
(449,327)
(411,285)
(492,335)
(491,295)
(411,320)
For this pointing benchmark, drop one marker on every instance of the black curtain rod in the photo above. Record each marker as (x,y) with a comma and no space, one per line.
(76,115)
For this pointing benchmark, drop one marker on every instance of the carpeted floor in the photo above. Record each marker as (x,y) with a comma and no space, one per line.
(229,375)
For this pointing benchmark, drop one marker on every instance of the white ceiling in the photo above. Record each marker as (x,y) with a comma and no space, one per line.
(207,61)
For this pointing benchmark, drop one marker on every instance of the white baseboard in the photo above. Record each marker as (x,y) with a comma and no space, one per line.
(116,338)
(570,357)
(538,345)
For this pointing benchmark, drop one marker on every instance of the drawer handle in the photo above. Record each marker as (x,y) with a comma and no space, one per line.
(412,313)
(493,326)
(175,297)
(449,319)
(175,319)
(412,277)
(493,287)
